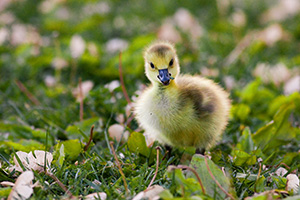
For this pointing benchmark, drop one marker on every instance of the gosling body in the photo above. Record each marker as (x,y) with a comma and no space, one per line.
(180,110)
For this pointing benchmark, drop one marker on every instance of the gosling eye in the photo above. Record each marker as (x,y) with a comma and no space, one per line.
(152,65)
(171,62)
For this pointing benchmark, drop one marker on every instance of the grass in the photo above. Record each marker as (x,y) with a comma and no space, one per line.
(39,110)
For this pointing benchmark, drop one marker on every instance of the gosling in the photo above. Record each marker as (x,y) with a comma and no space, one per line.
(180,110)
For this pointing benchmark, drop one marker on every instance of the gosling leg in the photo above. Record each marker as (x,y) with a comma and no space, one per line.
(200,151)
(168,150)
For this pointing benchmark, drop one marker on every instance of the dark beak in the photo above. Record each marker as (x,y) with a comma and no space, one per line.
(164,76)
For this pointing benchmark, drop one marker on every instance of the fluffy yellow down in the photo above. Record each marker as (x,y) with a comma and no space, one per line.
(189,111)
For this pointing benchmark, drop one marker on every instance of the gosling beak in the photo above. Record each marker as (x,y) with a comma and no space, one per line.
(164,76)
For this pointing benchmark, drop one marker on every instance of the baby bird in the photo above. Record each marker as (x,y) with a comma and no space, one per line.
(179,110)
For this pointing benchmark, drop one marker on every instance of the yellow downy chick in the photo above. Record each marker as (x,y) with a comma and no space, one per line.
(180,110)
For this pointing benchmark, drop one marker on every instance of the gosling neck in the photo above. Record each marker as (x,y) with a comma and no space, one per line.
(162,87)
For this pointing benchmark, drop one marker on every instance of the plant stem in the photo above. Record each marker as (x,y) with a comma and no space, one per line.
(122,80)
(119,166)
(27,93)
(90,139)
(63,187)
(218,184)
(157,165)
(80,100)
(196,174)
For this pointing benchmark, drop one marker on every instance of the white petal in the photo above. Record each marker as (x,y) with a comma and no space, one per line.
(7,17)
(272,34)
(115,131)
(120,118)
(96,8)
(151,193)
(86,87)
(7,183)
(92,48)
(24,160)
(205,71)
(112,85)
(188,23)
(116,45)
(229,82)
(282,10)
(292,85)
(77,46)
(168,32)
(4,4)
(23,186)
(59,63)
(50,81)
(96,195)
(33,163)
(281,171)
(277,74)
(238,18)
(292,183)
(96,182)
(63,13)
(40,158)
(4,33)
(19,34)
(46,6)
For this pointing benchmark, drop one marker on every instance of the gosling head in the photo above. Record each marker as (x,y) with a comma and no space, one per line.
(161,63)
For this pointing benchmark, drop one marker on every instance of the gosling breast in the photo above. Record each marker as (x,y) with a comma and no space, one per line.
(191,111)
